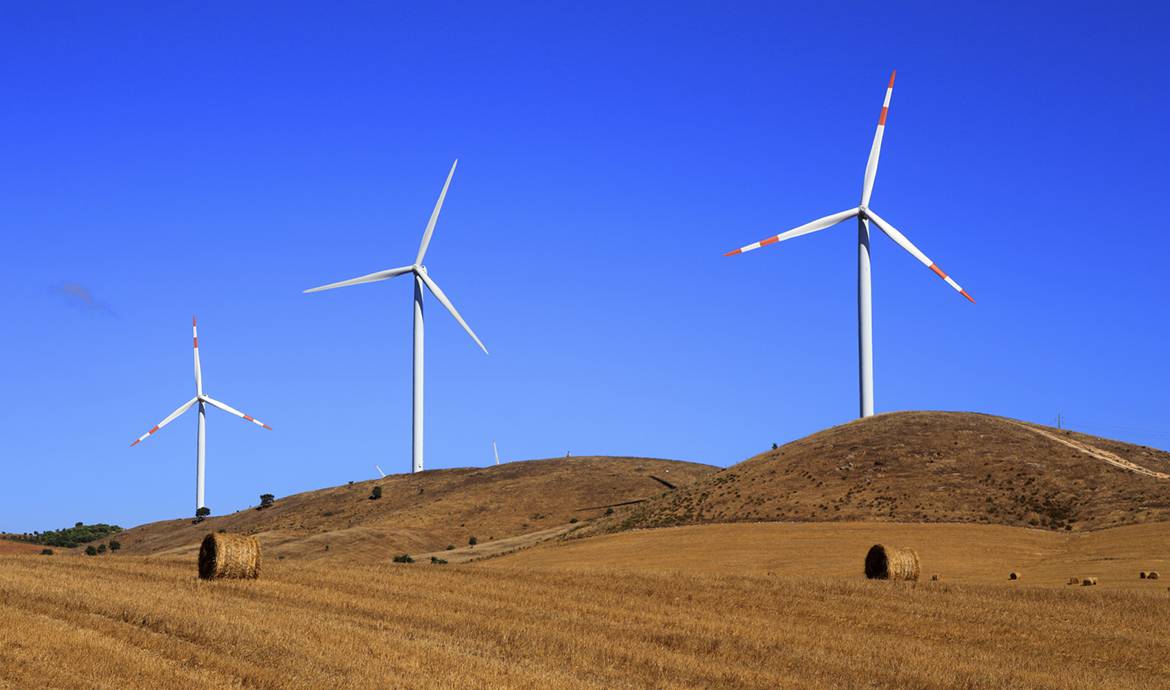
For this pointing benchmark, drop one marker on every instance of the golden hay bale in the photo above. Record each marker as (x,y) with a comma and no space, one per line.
(1074,580)
(1142,575)
(1088,582)
(935,578)
(1152,575)
(1014,575)
(229,556)
(882,563)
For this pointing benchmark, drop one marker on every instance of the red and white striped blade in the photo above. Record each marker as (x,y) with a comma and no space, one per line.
(368,278)
(876,150)
(426,238)
(906,244)
(818,224)
(198,369)
(438,293)
(231,410)
(170,418)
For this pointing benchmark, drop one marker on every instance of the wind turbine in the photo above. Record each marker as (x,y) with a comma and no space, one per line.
(864,214)
(420,279)
(202,400)
(496,452)
(379,468)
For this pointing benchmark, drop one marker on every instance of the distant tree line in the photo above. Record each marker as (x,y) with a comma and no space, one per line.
(68,537)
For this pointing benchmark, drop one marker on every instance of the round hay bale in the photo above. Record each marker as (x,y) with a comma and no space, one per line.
(229,556)
(1089,582)
(1152,575)
(1013,575)
(935,578)
(883,563)
(1074,580)
(1142,575)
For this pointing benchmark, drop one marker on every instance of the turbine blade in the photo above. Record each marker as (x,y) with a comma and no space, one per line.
(170,418)
(875,150)
(380,471)
(818,224)
(426,238)
(198,369)
(906,244)
(438,292)
(231,410)
(369,278)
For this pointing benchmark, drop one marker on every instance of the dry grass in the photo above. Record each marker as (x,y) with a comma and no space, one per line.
(929,466)
(145,623)
(962,554)
(427,511)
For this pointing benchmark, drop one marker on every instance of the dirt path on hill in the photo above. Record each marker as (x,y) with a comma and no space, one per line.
(1091,451)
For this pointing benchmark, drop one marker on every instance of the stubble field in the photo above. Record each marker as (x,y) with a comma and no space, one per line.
(130,622)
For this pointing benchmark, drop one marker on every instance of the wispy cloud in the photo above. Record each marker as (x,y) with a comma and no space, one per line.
(79,297)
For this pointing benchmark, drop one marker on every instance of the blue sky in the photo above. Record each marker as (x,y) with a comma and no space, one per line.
(163,162)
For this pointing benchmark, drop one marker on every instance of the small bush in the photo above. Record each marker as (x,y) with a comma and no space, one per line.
(90,551)
(403,558)
(266,501)
(376,493)
(101,548)
(450,547)
(573,521)
(435,560)
(609,511)
(46,552)
(115,545)
(774,446)
(472,541)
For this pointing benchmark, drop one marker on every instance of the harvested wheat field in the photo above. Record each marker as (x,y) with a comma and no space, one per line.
(964,554)
(146,623)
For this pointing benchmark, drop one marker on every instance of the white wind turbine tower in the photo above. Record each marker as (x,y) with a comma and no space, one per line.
(420,279)
(203,400)
(864,214)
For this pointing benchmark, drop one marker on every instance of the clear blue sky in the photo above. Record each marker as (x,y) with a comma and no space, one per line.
(218,160)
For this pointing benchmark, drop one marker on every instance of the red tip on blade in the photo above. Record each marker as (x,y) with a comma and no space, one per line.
(964,293)
(733,252)
(196,343)
(270,428)
(135,443)
(192,320)
(892,75)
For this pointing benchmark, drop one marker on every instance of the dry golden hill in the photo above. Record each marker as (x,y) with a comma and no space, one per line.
(425,512)
(929,467)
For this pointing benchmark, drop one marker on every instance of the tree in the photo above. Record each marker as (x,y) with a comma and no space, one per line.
(101,548)
(78,524)
(266,500)
(376,493)
(115,545)
(774,446)
(472,541)
(90,551)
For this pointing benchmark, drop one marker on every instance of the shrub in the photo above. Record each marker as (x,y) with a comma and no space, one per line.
(376,493)
(609,511)
(90,551)
(450,547)
(101,548)
(403,558)
(46,552)
(435,560)
(78,524)
(572,520)
(774,446)
(266,501)
(115,545)
(472,541)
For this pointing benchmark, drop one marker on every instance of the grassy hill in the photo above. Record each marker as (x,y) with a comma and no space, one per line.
(426,512)
(929,467)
